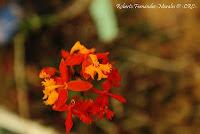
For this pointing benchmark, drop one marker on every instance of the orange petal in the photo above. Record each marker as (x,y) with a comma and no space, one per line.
(62,98)
(77,47)
(114,77)
(94,59)
(65,54)
(79,85)
(100,74)
(59,80)
(109,114)
(90,70)
(47,72)
(64,71)
(85,118)
(85,63)
(103,57)
(75,59)
(117,97)
(81,49)
(68,121)
(106,85)
(106,68)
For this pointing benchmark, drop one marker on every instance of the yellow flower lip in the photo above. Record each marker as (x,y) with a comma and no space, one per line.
(51,98)
(50,92)
(96,68)
(48,82)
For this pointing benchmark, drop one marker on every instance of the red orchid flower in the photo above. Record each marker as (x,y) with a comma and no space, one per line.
(100,108)
(77,70)
(77,107)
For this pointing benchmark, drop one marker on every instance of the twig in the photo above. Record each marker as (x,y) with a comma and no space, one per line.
(19,72)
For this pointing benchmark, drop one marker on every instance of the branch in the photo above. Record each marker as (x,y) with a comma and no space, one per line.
(70,12)
(67,13)
(138,57)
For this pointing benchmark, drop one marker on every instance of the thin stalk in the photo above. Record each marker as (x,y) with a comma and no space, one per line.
(19,73)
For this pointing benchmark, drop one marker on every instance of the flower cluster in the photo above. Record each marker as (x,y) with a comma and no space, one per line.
(80,70)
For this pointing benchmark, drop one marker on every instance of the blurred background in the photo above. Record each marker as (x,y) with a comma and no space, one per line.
(156,50)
